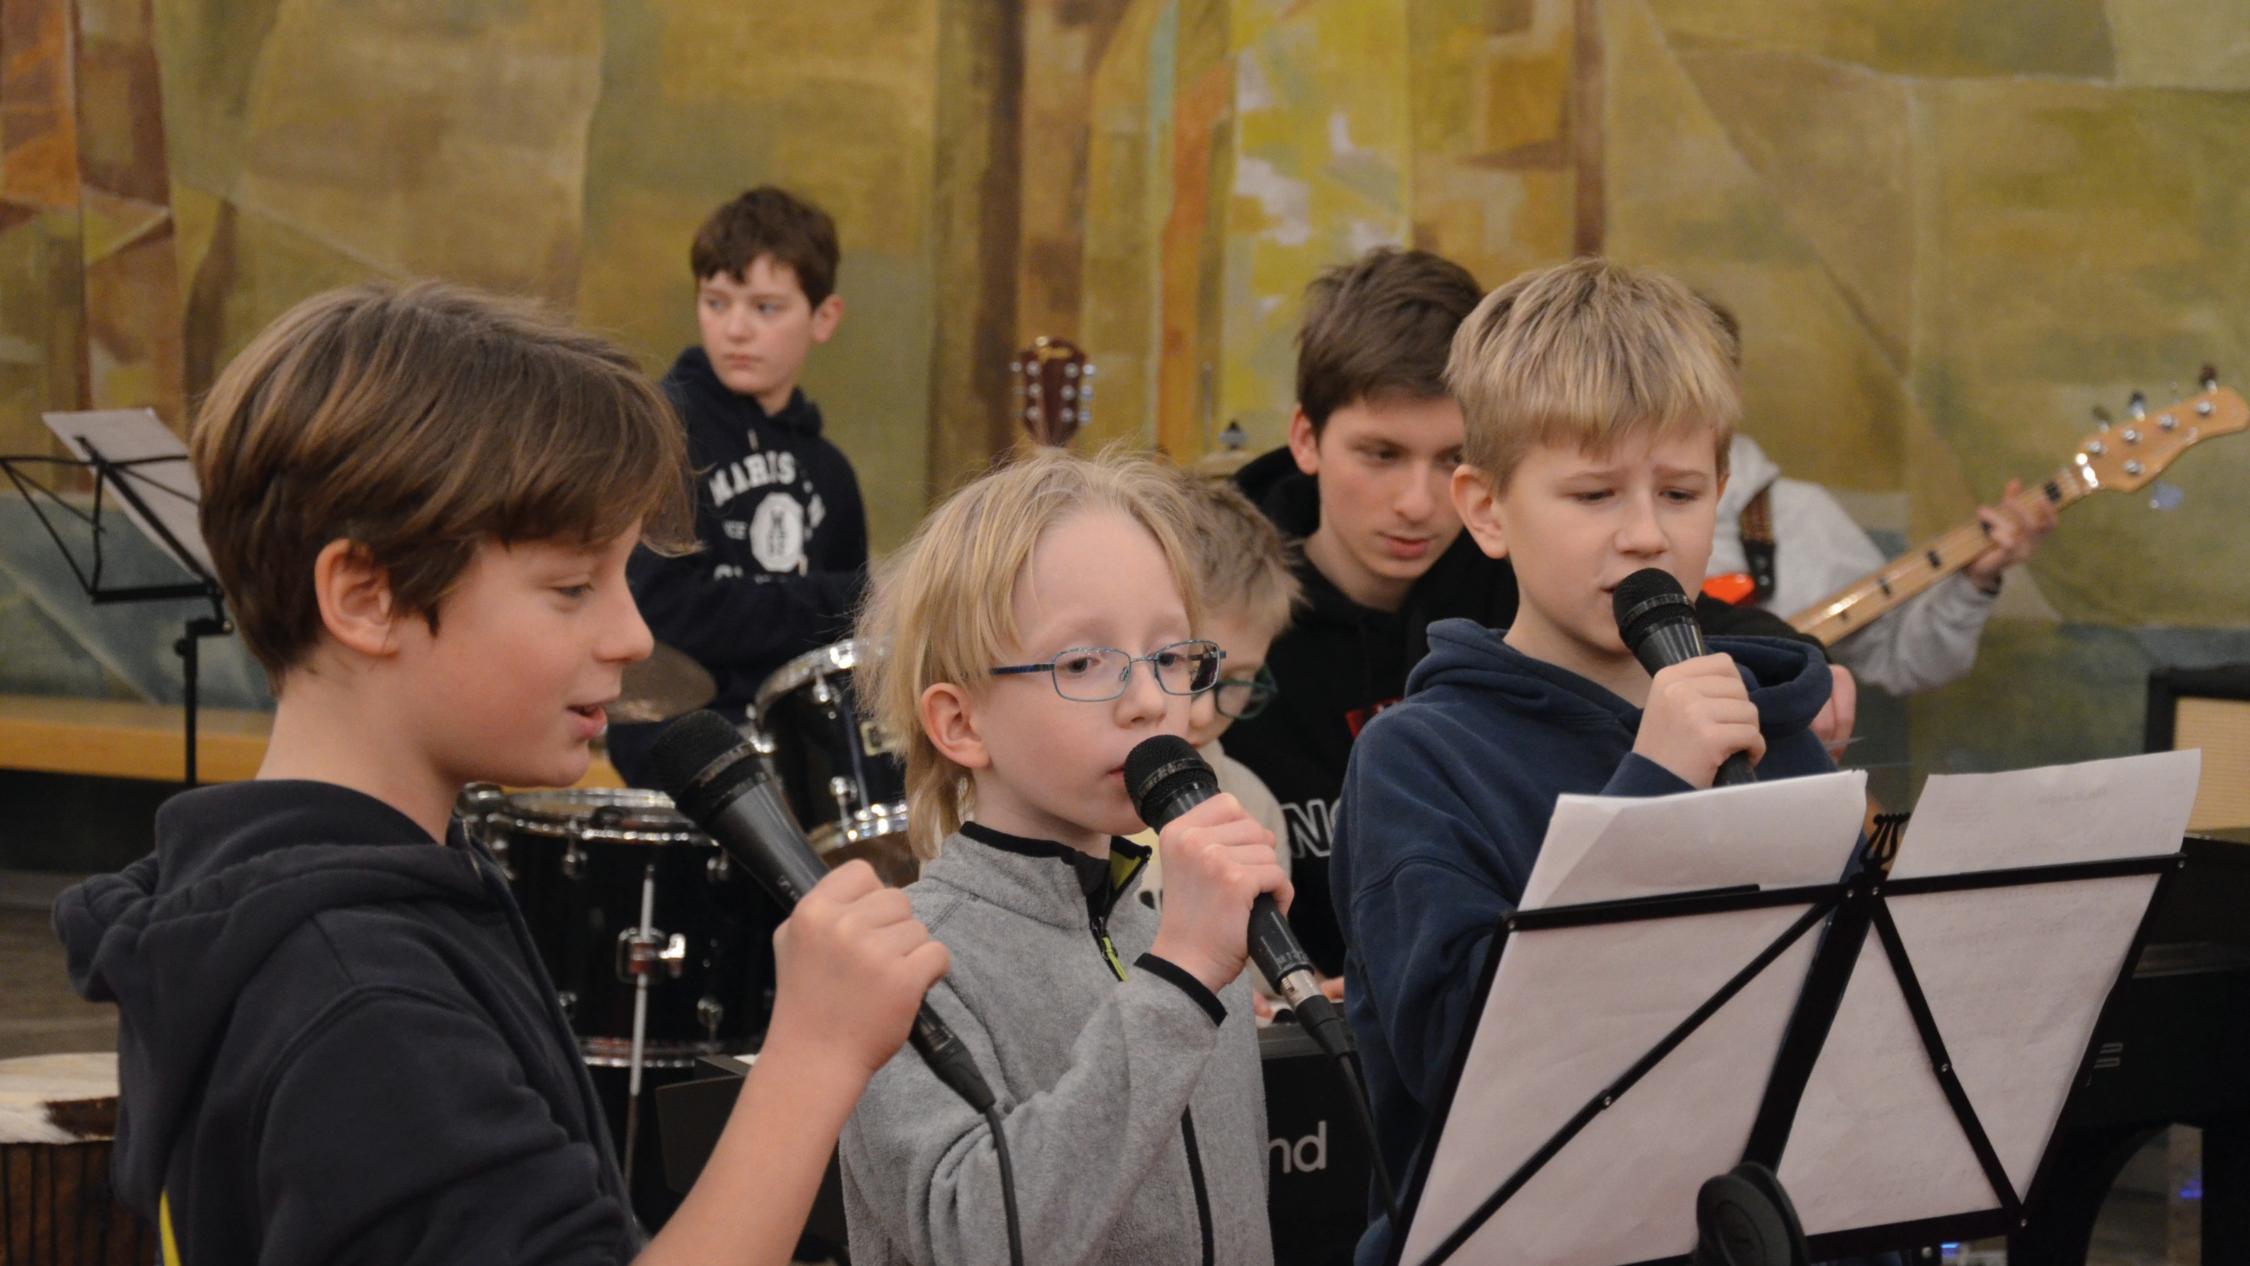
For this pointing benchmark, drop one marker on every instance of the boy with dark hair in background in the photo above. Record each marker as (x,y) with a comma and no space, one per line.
(777,508)
(1364,482)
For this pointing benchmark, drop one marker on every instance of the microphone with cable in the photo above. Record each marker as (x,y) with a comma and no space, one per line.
(1166,778)
(723,787)
(1658,624)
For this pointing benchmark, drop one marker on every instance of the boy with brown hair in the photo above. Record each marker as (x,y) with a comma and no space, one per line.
(1599,402)
(336,1040)
(1362,485)
(1250,593)
(777,509)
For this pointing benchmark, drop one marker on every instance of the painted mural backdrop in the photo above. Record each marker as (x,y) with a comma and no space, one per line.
(1950,227)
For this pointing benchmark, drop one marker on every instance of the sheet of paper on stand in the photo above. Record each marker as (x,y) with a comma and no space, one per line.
(2016,1003)
(1618,1191)
(160,471)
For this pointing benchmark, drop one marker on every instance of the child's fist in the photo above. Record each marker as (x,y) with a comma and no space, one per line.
(1217,859)
(851,964)
(1699,714)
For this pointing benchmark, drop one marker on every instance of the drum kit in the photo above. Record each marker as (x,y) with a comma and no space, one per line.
(659,947)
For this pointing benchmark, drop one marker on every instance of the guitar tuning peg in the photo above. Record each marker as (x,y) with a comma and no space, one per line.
(2209,378)
(2102,416)
(2137,406)
(2165,496)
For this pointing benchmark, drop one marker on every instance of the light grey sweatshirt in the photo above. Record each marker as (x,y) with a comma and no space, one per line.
(1928,642)
(1134,1107)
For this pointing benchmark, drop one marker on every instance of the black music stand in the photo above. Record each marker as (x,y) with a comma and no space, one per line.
(1787,995)
(133,452)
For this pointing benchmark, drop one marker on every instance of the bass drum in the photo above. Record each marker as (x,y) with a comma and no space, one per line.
(584,863)
(841,772)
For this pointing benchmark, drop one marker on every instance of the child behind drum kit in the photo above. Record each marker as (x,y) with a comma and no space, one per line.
(1038,627)
(333,1044)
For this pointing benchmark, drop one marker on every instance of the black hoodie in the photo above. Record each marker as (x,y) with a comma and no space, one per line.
(784,536)
(1340,663)
(335,1042)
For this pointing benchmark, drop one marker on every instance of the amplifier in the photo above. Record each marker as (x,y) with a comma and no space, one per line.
(2207,708)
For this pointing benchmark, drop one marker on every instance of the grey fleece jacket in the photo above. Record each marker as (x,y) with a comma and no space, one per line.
(1134,1108)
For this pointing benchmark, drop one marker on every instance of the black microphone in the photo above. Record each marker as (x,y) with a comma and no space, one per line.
(1658,624)
(1167,778)
(722,786)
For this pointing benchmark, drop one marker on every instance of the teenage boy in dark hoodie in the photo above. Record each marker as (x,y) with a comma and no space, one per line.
(1364,482)
(335,1038)
(777,508)
(1599,403)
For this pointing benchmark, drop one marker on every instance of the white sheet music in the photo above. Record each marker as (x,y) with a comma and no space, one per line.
(2014,978)
(1571,1009)
(167,485)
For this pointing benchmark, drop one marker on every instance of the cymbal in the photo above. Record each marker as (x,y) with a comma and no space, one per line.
(665,685)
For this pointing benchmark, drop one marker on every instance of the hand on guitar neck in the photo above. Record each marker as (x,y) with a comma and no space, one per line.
(2123,458)
(2015,527)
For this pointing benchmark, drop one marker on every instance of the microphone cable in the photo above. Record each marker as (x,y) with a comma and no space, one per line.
(1355,1089)
(1007,1186)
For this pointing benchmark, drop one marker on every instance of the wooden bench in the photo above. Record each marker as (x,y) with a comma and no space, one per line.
(109,738)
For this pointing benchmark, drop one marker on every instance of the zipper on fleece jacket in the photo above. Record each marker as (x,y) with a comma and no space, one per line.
(1122,868)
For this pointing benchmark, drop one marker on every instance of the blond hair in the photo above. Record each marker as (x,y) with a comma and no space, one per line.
(1591,354)
(942,609)
(418,421)
(1242,562)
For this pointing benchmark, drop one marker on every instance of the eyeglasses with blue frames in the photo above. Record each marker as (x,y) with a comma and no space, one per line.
(1097,674)
(1244,697)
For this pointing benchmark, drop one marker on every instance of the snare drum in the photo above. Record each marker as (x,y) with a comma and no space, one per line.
(581,864)
(57,1115)
(841,772)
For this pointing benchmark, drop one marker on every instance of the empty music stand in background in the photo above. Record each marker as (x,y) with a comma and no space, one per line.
(133,454)
(1688,984)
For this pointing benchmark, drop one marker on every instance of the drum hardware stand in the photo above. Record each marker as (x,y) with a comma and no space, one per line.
(640,951)
(125,477)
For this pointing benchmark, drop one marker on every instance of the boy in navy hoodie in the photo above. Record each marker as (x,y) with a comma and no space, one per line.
(777,508)
(1598,403)
(335,1038)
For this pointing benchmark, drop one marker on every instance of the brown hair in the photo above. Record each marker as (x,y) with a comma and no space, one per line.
(419,421)
(1242,562)
(774,223)
(942,609)
(1379,327)
(1589,353)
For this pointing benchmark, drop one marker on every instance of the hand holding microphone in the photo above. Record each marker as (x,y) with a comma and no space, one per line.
(851,965)
(1218,860)
(1699,722)
(720,784)
(1238,876)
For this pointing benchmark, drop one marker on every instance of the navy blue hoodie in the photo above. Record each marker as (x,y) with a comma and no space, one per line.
(335,1043)
(1445,804)
(784,546)
(1339,663)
